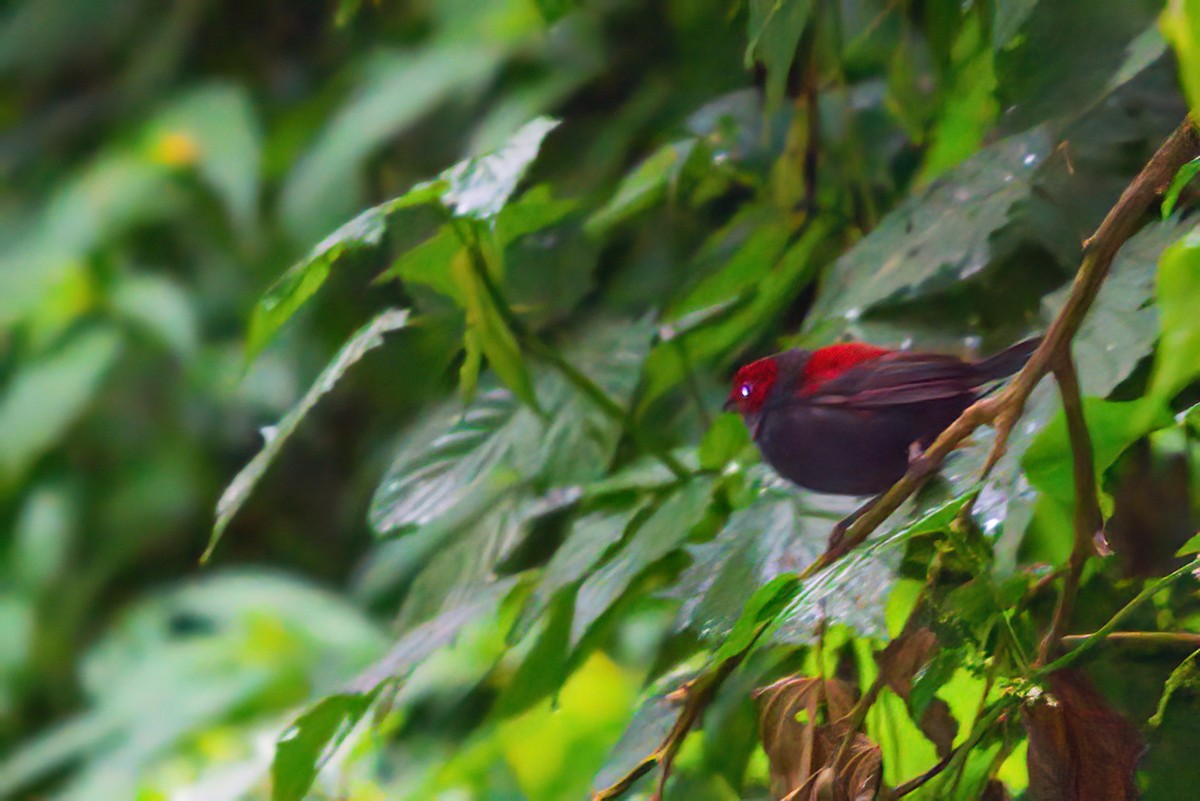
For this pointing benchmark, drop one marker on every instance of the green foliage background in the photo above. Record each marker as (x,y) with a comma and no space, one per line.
(528,241)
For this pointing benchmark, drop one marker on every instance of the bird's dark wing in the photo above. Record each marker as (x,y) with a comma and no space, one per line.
(897,379)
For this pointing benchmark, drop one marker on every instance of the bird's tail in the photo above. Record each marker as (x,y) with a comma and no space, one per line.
(1007,361)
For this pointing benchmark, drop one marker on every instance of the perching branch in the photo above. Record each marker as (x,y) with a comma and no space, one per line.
(1088,519)
(1002,411)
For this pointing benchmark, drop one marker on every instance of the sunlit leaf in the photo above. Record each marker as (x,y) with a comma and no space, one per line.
(301,748)
(1181,24)
(364,340)
(47,395)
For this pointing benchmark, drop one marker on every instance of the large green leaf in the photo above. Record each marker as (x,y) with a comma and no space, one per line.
(666,529)
(300,749)
(963,223)
(1178,292)
(442,463)
(364,340)
(47,395)
(654,179)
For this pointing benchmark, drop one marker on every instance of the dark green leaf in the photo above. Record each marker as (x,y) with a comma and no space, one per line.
(304,278)
(644,187)
(663,531)
(364,340)
(774,34)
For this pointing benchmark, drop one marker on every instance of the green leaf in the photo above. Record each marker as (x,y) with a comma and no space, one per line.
(46,396)
(1180,23)
(162,307)
(302,280)
(645,186)
(364,340)
(1122,325)
(314,734)
(450,456)
(774,35)
(488,332)
(950,232)
(725,440)
(1190,547)
(719,336)
(667,527)
(105,199)
(554,10)
(1178,293)
(480,187)
(1182,178)
(1113,427)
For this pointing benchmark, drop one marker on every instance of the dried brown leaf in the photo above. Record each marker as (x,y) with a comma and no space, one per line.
(798,718)
(1080,749)
(898,664)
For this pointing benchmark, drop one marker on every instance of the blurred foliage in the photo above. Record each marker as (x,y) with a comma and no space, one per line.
(456,285)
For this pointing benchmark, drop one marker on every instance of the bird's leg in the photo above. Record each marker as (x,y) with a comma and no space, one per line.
(839,528)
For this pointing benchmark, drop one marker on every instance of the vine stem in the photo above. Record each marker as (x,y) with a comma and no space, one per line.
(1001,411)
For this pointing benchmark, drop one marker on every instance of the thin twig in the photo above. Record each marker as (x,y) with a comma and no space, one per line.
(1148,639)
(1088,518)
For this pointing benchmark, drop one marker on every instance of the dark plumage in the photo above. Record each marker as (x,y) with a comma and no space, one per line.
(846,419)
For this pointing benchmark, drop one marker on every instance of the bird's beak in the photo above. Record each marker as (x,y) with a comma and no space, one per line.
(728,405)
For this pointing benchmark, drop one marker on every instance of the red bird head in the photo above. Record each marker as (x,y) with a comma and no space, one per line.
(753,384)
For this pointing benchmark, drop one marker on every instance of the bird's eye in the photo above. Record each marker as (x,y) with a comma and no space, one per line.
(745,390)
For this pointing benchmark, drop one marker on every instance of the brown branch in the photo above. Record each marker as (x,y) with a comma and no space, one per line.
(1149,639)
(917,782)
(1003,410)
(696,695)
(1088,518)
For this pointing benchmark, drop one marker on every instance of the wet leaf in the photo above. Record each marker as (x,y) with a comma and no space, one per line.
(1122,325)
(964,222)
(664,530)
(363,341)
(452,456)
(1079,747)
(316,733)
(480,187)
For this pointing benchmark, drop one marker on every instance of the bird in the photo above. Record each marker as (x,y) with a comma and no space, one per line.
(849,418)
